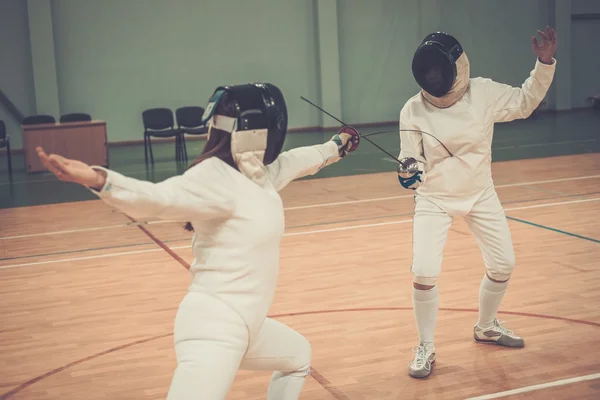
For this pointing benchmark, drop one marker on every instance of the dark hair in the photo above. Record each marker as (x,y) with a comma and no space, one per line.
(218,143)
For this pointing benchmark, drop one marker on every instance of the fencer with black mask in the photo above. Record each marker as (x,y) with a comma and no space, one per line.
(229,196)
(452,176)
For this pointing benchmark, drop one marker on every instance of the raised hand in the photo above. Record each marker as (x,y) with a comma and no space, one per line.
(545,51)
(71,170)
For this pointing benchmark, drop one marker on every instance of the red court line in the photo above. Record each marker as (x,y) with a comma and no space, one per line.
(314,373)
(162,245)
(333,390)
(318,377)
(521,314)
(80,361)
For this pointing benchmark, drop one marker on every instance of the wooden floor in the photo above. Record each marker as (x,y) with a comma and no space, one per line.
(87,301)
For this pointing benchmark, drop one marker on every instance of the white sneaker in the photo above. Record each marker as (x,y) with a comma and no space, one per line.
(497,334)
(422,365)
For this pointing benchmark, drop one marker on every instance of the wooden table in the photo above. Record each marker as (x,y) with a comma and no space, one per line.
(83,141)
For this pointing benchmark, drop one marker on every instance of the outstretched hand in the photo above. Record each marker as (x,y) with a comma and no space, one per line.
(71,170)
(545,51)
(347,139)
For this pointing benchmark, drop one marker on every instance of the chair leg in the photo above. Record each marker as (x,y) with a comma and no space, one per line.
(9,159)
(181,147)
(150,148)
(181,140)
(177,148)
(185,154)
(146,148)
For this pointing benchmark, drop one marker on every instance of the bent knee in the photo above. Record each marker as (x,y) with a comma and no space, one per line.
(306,352)
(301,362)
(502,268)
(305,359)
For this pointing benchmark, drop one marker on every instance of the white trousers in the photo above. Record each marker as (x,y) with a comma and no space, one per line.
(487,222)
(212,343)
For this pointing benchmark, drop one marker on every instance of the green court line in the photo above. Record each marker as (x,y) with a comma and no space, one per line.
(306,226)
(553,229)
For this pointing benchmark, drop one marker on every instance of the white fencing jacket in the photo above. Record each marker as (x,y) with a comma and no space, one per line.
(238,224)
(466,129)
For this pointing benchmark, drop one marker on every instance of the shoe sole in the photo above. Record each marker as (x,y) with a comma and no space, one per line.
(496,343)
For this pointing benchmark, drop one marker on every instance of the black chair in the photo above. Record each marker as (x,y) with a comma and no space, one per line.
(38,119)
(5,143)
(189,121)
(75,117)
(159,122)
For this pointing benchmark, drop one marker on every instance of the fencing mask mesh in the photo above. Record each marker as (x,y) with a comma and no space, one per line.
(441,68)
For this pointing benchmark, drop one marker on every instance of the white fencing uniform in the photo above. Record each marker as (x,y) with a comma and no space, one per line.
(222,323)
(462,185)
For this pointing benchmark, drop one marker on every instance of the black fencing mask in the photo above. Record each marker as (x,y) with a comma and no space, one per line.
(258,128)
(441,68)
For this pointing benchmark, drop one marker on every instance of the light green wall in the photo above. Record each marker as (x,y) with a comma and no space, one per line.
(585,6)
(118,57)
(377,39)
(586,62)
(41,38)
(115,58)
(16,74)
(380,37)
(329,61)
(584,53)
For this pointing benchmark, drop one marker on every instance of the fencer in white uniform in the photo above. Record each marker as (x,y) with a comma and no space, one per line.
(230,197)
(448,164)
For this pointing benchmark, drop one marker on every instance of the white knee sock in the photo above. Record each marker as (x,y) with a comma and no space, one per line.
(426,304)
(490,297)
(285,386)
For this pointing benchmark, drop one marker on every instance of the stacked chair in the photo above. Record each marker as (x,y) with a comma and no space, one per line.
(160,122)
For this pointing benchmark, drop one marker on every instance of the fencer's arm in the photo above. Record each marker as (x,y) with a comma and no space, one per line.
(510,103)
(302,161)
(411,147)
(195,195)
(411,143)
